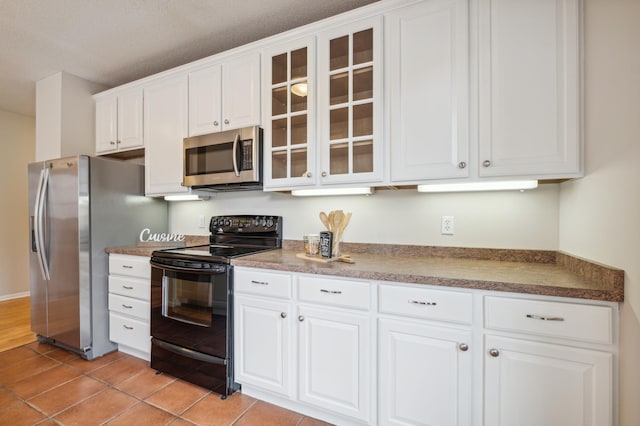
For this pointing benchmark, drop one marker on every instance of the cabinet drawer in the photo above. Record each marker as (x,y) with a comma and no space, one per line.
(555,319)
(129,306)
(426,303)
(131,266)
(263,283)
(335,292)
(130,287)
(129,332)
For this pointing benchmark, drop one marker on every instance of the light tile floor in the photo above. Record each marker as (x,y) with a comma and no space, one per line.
(44,385)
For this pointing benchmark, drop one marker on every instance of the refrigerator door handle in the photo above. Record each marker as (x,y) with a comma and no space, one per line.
(39,223)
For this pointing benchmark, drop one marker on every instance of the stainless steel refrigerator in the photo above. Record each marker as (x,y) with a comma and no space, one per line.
(78,206)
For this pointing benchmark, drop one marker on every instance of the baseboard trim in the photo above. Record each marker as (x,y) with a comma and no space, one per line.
(14,296)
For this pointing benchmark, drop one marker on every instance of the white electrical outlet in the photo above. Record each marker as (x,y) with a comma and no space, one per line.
(447,225)
(201,221)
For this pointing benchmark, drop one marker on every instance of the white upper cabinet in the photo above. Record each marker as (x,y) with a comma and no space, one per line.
(288,74)
(225,96)
(428,78)
(529,88)
(165,125)
(350,98)
(119,122)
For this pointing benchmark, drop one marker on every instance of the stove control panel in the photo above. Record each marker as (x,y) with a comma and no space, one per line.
(245,224)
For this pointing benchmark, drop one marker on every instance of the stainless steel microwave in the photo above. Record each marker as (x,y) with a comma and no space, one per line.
(224,160)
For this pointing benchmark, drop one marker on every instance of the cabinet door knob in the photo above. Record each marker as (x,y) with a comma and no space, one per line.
(486,163)
(283,314)
(463,347)
(300,318)
(462,165)
(308,174)
(118,142)
(112,143)
(494,353)
(226,121)
(324,174)
(215,123)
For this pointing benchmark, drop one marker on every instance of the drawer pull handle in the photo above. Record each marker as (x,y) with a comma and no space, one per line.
(419,302)
(283,314)
(300,318)
(127,287)
(127,266)
(463,347)
(128,327)
(127,306)
(330,291)
(259,282)
(494,353)
(544,318)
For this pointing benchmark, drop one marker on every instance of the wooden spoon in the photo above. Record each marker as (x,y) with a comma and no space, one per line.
(325,220)
(337,221)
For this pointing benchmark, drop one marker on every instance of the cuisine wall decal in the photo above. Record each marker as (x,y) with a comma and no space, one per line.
(147,236)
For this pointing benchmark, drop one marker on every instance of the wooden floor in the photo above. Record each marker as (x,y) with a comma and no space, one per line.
(15,323)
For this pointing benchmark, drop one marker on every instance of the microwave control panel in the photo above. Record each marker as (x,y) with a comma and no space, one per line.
(247,155)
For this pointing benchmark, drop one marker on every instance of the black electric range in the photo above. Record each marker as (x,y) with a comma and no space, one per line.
(192,300)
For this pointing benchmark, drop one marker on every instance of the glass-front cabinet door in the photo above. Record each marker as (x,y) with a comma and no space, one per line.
(350,103)
(289,101)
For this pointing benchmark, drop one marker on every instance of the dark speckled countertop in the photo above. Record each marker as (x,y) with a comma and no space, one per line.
(546,273)
(542,272)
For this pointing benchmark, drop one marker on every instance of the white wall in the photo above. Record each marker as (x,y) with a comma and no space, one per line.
(491,219)
(17,149)
(600,214)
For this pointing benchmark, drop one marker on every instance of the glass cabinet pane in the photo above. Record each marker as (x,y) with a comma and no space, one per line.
(299,96)
(339,159)
(279,164)
(339,124)
(363,83)
(363,157)
(279,132)
(279,101)
(363,119)
(339,53)
(299,129)
(298,162)
(339,88)
(298,64)
(363,46)
(279,69)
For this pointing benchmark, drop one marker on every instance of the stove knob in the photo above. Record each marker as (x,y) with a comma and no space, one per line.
(214,222)
(256,222)
(270,222)
(227,222)
(263,222)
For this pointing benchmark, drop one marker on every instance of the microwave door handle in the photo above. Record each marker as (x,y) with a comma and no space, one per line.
(235,155)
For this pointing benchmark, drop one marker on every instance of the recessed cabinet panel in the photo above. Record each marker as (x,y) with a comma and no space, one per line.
(427,44)
(529,88)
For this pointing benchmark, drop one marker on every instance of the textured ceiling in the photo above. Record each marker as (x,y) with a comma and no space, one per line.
(112,42)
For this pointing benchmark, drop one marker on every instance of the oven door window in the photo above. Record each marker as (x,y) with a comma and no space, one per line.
(194,298)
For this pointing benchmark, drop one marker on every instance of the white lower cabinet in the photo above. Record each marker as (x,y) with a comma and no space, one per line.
(334,359)
(355,352)
(425,374)
(530,383)
(263,343)
(129,304)
(546,370)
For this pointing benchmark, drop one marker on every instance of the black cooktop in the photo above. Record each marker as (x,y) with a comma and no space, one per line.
(231,237)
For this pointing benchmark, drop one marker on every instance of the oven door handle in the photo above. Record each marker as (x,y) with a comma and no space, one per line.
(222,269)
(236,141)
(187,352)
